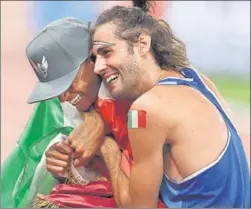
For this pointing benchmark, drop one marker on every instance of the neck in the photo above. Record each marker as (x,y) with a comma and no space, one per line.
(150,75)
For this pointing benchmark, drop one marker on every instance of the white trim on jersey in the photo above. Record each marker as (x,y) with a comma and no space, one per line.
(229,133)
(205,168)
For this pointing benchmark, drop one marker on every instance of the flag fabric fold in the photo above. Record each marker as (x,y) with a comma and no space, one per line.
(24,175)
(45,123)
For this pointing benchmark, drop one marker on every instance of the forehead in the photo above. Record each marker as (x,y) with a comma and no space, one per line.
(104,33)
(104,36)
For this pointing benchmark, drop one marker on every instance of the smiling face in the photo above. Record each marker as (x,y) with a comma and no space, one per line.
(116,62)
(84,89)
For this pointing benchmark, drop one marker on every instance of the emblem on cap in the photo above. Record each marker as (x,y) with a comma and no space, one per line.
(42,68)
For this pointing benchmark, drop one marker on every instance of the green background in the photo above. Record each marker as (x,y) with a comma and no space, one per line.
(233,87)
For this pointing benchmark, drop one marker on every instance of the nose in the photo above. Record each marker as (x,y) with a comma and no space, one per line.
(100,65)
(64,97)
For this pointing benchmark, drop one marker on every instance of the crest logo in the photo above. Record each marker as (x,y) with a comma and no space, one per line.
(42,68)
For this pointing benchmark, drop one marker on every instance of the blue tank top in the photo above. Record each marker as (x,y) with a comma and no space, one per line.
(226,181)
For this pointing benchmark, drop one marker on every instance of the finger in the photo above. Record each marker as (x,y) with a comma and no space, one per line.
(83,159)
(55,171)
(68,142)
(72,145)
(58,163)
(64,147)
(57,155)
(79,151)
(77,162)
(75,140)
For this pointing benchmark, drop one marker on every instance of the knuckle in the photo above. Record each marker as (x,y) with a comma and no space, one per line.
(60,144)
(48,168)
(70,138)
(65,165)
(87,154)
(62,169)
(68,148)
(85,158)
(79,150)
(66,158)
(55,146)
(49,152)
(74,144)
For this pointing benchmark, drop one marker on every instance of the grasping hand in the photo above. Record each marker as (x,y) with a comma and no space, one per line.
(58,158)
(87,138)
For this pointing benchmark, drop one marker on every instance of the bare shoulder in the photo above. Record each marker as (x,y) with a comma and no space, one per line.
(160,114)
(173,105)
(146,127)
(156,98)
(162,99)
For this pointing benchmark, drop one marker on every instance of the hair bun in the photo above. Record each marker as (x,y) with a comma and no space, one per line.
(143,4)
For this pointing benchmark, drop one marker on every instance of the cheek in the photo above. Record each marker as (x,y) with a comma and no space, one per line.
(78,86)
(96,85)
(109,62)
(127,66)
(114,60)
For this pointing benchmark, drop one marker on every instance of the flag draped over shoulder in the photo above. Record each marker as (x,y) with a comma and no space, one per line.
(24,175)
(17,172)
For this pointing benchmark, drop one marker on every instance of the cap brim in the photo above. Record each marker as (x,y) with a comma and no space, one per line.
(54,88)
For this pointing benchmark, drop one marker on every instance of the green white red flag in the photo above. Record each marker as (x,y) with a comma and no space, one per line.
(137,119)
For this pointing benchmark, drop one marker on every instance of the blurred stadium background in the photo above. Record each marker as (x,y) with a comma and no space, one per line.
(217,35)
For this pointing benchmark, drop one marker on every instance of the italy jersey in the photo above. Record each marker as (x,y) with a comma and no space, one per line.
(223,183)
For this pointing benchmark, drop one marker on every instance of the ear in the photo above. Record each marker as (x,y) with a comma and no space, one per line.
(144,44)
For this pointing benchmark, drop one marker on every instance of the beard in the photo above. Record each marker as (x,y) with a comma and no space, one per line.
(129,78)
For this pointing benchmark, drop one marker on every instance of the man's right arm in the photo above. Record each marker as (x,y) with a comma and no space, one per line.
(141,187)
(87,138)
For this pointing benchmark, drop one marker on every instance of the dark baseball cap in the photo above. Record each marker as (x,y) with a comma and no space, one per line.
(56,54)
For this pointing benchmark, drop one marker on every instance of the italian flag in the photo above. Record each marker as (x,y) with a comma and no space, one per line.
(137,119)
(23,173)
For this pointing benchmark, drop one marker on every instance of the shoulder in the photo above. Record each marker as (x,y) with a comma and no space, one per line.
(159,101)
(167,107)
(152,111)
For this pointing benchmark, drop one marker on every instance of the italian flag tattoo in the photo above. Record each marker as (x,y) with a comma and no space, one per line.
(137,119)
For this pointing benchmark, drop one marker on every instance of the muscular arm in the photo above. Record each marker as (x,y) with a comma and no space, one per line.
(87,138)
(141,189)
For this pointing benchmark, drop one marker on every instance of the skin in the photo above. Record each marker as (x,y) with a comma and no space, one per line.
(86,83)
(193,143)
(111,60)
(86,139)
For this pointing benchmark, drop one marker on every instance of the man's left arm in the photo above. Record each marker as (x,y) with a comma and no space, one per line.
(141,189)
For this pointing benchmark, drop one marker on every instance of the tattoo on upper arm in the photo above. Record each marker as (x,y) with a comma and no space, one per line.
(137,119)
